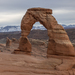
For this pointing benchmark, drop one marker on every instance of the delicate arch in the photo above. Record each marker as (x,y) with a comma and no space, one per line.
(58,44)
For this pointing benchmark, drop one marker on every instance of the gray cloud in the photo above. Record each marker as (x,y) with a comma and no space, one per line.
(25,4)
(63,10)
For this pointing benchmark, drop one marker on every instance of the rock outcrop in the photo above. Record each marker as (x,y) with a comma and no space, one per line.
(14,40)
(8,42)
(58,44)
(24,46)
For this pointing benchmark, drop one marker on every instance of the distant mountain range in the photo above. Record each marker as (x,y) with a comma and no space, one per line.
(10,28)
(68,26)
(17,28)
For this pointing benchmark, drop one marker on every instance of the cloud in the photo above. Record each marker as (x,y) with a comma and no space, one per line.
(10,18)
(6,16)
(12,11)
(25,4)
(63,11)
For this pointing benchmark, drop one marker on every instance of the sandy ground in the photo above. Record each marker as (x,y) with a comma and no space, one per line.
(11,64)
(20,64)
(39,48)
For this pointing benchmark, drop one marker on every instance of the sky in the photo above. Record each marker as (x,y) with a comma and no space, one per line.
(12,11)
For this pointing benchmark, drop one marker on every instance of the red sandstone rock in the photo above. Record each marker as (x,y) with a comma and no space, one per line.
(24,46)
(15,40)
(59,43)
(8,42)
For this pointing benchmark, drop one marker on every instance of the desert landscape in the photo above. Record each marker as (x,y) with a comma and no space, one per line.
(36,64)
(38,52)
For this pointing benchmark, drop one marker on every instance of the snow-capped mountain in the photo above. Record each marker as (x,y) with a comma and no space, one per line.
(10,28)
(17,28)
(68,26)
(39,27)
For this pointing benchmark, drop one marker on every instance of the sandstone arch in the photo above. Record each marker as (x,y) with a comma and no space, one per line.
(59,43)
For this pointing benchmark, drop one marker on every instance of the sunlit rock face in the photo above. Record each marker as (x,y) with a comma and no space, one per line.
(58,44)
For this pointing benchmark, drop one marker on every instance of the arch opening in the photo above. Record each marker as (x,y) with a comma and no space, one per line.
(38,38)
(38,31)
(38,26)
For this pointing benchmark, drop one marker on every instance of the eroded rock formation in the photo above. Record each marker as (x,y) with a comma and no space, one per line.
(14,40)
(58,44)
(25,45)
(8,42)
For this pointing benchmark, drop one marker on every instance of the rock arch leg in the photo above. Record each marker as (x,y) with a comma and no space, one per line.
(24,44)
(59,43)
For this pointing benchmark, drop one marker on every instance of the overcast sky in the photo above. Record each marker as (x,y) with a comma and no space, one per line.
(12,11)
